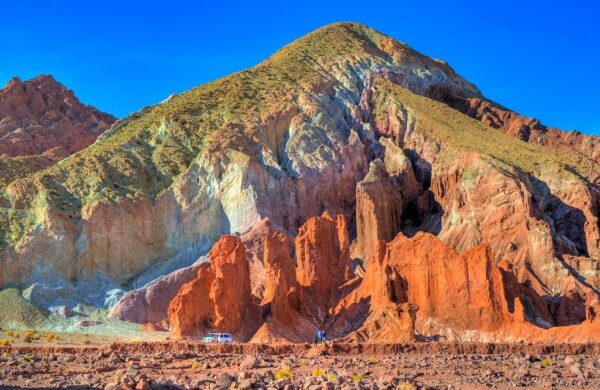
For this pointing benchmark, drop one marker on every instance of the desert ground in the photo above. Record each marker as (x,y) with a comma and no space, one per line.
(89,363)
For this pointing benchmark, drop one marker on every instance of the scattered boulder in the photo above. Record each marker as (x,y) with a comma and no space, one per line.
(64,311)
(249,363)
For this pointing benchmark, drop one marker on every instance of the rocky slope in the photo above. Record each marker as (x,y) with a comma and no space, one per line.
(42,122)
(41,116)
(344,120)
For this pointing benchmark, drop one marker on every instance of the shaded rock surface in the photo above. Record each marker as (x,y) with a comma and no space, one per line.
(149,304)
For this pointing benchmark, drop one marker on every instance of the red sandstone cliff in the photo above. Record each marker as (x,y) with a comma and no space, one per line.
(219,298)
(416,283)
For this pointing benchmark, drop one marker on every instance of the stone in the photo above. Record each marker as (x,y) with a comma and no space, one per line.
(143,385)
(249,363)
(64,311)
(245,384)
(112,386)
(569,360)
(224,380)
(575,369)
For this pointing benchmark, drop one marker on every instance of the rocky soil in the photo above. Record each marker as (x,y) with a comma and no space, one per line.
(144,366)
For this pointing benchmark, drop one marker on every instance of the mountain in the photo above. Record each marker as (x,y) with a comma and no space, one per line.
(42,122)
(359,154)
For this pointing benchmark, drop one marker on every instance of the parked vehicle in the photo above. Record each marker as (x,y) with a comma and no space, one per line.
(218,338)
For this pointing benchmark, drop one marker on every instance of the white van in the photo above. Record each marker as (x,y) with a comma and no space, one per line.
(218,338)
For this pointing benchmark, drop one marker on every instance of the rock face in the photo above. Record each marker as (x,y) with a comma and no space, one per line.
(219,298)
(416,283)
(464,290)
(41,116)
(379,206)
(280,278)
(149,304)
(323,256)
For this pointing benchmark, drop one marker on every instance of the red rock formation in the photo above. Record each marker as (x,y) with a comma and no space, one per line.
(282,295)
(410,283)
(462,290)
(323,261)
(457,291)
(41,116)
(280,279)
(522,299)
(255,242)
(220,298)
(379,205)
(571,309)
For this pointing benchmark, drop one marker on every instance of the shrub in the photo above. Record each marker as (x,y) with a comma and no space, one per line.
(50,336)
(28,358)
(357,377)
(372,360)
(28,336)
(195,365)
(284,373)
(545,362)
(405,386)
(318,372)
(5,342)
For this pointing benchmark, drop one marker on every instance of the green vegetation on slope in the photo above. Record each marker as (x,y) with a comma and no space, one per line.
(16,310)
(465,133)
(143,154)
(18,167)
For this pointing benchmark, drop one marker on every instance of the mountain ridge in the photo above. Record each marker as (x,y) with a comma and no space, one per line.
(292,138)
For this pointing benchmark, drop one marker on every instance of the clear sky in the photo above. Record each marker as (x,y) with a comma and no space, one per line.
(539,58)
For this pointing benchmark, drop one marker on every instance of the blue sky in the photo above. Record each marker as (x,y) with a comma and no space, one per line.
(539,58)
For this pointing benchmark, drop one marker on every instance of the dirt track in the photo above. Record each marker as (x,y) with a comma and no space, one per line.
(193,365)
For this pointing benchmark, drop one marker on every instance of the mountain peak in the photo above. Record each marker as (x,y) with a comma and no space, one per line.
(355,47)
(41,114)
